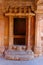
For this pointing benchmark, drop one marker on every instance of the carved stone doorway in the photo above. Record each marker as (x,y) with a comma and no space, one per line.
(27,34)
(19,32)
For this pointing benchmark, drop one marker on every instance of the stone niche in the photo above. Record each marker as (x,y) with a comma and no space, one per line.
(20,35)
(19,30)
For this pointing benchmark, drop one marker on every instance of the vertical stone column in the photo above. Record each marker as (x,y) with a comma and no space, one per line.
(10,32)
(6,32)
(38,47)
(2,24)
(39,28)
(28,44)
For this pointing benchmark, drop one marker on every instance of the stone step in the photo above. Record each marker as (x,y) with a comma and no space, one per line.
(19,55)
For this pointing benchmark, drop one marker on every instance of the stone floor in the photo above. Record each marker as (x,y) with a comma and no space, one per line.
(35,61)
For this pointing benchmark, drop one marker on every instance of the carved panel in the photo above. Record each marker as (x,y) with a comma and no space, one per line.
(12,3)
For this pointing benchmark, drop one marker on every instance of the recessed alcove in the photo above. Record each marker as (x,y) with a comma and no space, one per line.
(19,31)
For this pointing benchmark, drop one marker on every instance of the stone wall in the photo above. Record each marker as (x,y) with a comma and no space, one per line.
(2,24)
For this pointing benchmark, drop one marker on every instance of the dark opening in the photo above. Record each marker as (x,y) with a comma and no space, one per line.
(19,28)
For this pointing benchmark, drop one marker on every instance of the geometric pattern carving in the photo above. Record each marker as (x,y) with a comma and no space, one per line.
(25,9)
(14,4)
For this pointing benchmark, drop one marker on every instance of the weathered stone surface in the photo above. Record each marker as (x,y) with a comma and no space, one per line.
(19,55)
(6,34)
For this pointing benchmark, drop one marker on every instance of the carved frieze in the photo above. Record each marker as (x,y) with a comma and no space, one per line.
(25,9)
(16,5)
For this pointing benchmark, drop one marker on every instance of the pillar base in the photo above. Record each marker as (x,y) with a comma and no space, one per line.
(38,51)
(2,49)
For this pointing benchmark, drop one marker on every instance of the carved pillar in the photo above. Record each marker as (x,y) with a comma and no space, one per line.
(6,33)
(38,47)
(2,24)
(10,32)
(28,44)
(39,28)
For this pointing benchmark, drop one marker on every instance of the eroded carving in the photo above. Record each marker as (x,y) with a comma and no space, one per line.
(15,5)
